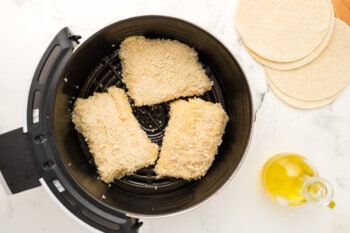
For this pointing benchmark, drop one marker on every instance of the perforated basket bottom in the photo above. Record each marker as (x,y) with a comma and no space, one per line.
(153,120)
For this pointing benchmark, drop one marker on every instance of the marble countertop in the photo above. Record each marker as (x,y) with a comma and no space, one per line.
(323,135)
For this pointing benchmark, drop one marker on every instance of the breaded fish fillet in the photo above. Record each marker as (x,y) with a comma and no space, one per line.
(159,70)
(191,139)
(115,139)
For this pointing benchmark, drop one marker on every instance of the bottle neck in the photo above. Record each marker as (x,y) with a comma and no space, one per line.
(317,191)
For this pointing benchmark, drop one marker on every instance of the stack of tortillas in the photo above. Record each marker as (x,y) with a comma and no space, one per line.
(304,48)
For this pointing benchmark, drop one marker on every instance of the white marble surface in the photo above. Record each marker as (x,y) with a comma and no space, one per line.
(323,135)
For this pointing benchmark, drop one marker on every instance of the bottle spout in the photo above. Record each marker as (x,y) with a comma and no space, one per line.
(331,205)
(318,191)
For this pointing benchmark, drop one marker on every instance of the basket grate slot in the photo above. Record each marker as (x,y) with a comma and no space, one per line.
(153,120)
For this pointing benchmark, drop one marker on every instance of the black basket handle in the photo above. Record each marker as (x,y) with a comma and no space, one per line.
(50,67)
(18,161)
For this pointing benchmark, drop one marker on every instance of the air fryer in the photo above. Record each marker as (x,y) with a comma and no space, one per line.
(53,151)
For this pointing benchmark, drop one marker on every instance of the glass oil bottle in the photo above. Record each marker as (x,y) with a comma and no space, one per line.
(291,180)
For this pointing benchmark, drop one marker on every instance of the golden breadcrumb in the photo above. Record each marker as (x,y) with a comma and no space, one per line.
(159,70)
(191,139)
(115,139)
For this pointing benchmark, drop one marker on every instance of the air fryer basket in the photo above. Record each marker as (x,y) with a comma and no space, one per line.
(94,66)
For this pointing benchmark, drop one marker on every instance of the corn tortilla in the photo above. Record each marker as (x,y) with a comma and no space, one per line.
(303,61)
(283,31)
(298,103)
(322,78)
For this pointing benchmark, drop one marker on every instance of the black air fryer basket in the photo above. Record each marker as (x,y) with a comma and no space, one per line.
(61,156)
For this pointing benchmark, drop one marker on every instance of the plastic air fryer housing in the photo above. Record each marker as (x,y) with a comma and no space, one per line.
(51,149)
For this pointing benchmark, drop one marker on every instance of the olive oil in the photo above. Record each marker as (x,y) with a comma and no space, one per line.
(291,180)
